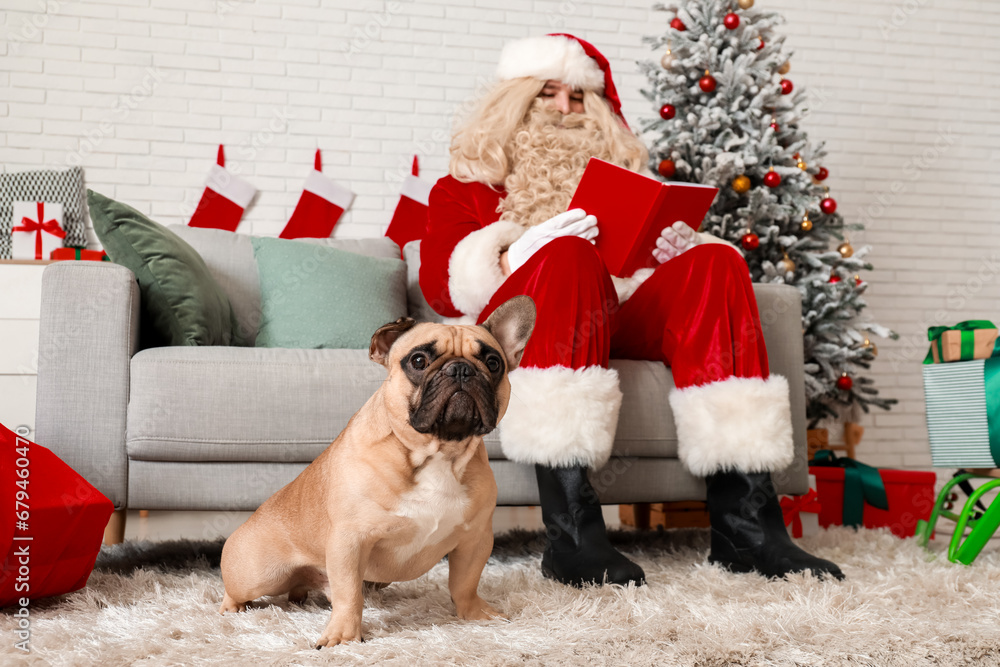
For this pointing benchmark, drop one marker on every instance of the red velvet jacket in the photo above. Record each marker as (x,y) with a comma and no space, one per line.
(458,217)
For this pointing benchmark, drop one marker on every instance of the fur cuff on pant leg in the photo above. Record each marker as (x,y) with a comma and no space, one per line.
(740,424)
(559,416)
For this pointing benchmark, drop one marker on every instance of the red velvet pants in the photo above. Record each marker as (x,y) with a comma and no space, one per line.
(696,313)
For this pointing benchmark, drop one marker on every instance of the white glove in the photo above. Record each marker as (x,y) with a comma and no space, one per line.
(571,223)
(674,240)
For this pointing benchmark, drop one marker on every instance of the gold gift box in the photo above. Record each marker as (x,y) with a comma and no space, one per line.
(951,345)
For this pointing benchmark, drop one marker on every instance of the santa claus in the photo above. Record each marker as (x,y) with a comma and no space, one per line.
(498,227)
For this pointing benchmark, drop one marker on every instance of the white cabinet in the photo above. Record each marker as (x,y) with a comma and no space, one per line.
(20,306)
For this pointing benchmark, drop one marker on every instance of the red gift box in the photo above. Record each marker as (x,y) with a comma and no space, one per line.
(632,210)
(910,494)
(51,522)
(78,254)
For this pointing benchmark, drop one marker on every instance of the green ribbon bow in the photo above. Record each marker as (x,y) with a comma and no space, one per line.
(862,483)
(968,329)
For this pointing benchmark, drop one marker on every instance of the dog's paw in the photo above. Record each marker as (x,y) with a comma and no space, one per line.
(478,610)
(228,604)
(339,634)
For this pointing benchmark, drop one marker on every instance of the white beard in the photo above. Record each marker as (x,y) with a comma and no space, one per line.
(547,163)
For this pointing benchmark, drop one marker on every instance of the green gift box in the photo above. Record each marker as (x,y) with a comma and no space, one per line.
(963,413)
(972,339)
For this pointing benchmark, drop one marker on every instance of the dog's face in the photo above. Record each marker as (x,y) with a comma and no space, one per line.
(450,382)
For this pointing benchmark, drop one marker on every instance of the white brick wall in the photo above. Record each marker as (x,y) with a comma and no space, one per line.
(140,93)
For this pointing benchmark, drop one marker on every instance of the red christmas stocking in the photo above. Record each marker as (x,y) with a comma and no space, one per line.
(225,198)
(322,203)
(52,523)
(409,221)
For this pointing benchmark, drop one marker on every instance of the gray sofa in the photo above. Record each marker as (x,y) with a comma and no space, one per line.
(222,428)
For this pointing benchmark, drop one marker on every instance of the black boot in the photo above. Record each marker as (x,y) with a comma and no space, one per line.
(748,530)
(578,551)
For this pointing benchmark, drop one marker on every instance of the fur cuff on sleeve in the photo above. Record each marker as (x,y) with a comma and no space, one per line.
(708,238)
(474,272)
(626,287)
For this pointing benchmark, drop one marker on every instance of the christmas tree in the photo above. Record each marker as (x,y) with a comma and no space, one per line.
(728,118)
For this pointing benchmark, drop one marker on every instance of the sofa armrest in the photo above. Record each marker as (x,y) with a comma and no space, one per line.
(88,332)
(780,308)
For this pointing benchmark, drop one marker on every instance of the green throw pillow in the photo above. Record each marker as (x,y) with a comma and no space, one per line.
(313,296)
(181,303)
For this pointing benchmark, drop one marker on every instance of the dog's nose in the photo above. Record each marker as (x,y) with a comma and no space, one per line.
(460,369)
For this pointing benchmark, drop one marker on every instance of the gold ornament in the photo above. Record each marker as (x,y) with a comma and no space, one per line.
(801,165)
(845,249)
(667,58)
(785,68)
(807,224)
(745,4)
(786,265)
(741,184)
(871,347)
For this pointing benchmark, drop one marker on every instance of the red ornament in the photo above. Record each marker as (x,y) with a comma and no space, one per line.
(774,126)
(677,24)
(821,174)
(750,241)
(668,111)
(786,87)
(732,21)
(707,82)
(761,45)
(772,179)
(844,383)
(858,281)
(666,168)
(828,206)
(834,279)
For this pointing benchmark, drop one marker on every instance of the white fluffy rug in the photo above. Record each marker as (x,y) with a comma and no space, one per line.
(155,604)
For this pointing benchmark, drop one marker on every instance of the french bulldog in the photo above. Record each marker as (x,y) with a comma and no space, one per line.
(406,482)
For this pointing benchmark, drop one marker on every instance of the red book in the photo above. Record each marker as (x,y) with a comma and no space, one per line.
(633,209)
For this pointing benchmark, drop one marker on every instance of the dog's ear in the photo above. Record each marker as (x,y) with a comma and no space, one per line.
(386,335)
(511,324)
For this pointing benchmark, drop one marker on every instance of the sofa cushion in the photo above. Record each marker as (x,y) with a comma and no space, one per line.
(243,404)
(279,405)
(320,297)
(181,302)
(230,259)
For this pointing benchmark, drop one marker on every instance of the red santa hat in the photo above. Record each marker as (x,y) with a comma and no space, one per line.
(563,57)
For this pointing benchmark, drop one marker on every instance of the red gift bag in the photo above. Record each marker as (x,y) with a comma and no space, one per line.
(910,494)
(51,522)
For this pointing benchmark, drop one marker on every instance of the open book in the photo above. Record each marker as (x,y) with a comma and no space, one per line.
(633,209)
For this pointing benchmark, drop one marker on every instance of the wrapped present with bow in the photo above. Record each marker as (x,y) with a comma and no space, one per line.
(852,493)
(963,413)
(37,229)
(79,254)
(972,339)
(801,513)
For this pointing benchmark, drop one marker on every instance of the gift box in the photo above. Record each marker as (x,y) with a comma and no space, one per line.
(79,254)
(963,413)
(859,495)
(52,524)
(801,513)
(972,339)
(62,186)
(37,229)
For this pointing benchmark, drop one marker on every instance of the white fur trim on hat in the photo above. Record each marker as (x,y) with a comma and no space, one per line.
(559,416)
(474,272)
(742,424)
(550,57)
